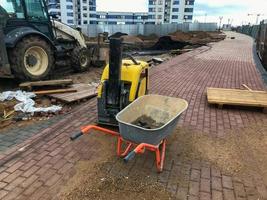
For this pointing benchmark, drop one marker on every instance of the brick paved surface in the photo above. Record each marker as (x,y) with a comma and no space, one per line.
(39,171)
(16,135)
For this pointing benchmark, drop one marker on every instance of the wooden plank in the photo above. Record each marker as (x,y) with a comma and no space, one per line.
(47,83)
(83,91)
(237,97)
(43,92)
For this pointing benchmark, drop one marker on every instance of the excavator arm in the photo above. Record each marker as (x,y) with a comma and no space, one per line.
(66,32)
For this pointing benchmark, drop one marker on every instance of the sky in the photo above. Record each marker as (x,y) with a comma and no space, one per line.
(234,11)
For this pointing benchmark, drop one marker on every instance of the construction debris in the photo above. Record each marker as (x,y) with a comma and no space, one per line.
(26,104)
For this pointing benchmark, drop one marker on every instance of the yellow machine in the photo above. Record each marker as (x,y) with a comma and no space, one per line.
(122,82)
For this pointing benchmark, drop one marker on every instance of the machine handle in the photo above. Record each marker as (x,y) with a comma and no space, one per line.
(75,136)
(132,58)
(130,156)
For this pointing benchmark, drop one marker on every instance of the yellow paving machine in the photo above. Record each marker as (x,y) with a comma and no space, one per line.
(122,82)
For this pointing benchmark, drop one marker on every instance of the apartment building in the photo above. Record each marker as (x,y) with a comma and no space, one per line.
(82,12)
(73,12)
(121,18)
(170,11)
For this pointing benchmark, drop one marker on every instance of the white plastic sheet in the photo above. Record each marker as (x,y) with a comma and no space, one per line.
(26,104)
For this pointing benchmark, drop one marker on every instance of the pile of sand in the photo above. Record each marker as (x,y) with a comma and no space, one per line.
(131,39)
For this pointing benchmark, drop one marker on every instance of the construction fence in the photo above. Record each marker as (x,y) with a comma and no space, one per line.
(92,30)
(259,33)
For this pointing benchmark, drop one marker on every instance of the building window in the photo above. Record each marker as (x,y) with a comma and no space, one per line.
(69,7)
(175,2)
(159,17)
(174,16)
(102,16)
(93,15)
(92,8)
(84,1)
(160,2)
(53,6)
(175,10)
(70,21)
(159,9)
(152,9)
(68,0)
(152,2)
(70,14)
(84,14)
(84,8)
(151,16)
(93,22)
(189,2)
(190,17)
(85,22)
(188,9)
(91,3)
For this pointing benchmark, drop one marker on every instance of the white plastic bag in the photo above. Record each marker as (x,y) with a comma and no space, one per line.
(26,104)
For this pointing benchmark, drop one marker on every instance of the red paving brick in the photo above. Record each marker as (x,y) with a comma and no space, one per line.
(36,172)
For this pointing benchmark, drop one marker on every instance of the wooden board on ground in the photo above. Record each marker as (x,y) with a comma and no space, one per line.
(62,82)
(83,91)
(223,96)
(44,92)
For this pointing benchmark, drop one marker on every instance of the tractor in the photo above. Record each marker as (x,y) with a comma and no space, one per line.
(32,44)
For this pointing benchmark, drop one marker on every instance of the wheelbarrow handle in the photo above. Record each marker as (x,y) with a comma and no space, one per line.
(76,135)
(130,156)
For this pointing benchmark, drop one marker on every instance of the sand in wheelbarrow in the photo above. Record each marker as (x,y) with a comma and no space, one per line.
(147,122)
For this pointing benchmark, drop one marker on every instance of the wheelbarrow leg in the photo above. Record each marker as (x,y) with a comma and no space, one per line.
(160,158)
(126,151)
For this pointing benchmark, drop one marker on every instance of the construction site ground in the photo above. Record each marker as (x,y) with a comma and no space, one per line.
(213,154)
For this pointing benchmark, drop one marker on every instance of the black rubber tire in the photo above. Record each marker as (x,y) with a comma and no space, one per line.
(17,58)
(76,59)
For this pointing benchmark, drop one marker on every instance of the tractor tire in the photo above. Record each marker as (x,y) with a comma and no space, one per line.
(80,59)
(32,59)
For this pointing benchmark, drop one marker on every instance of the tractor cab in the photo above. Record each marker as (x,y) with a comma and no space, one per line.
(26,13)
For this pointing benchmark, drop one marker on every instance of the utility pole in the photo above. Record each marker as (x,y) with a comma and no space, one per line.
(221,17)
(257,17)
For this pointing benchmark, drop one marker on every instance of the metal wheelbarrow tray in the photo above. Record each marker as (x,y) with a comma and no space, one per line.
(163,109)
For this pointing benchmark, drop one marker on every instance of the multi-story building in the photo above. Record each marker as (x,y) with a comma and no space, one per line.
(121,18)
(170,11)
(73,12)
(82,12)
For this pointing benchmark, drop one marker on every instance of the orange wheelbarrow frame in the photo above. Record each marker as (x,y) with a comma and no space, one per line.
(127,154)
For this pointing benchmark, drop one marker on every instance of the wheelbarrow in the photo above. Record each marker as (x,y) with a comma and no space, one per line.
(162,109)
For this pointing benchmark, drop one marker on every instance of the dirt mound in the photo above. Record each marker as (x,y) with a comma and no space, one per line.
(197,37)
(117,35)
(199,34)
(93,181)
(96,184)
(169,43)
(131,39)
(149,37)
(180,36)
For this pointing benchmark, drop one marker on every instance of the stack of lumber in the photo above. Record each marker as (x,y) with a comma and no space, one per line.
(63,90)
(251,98)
